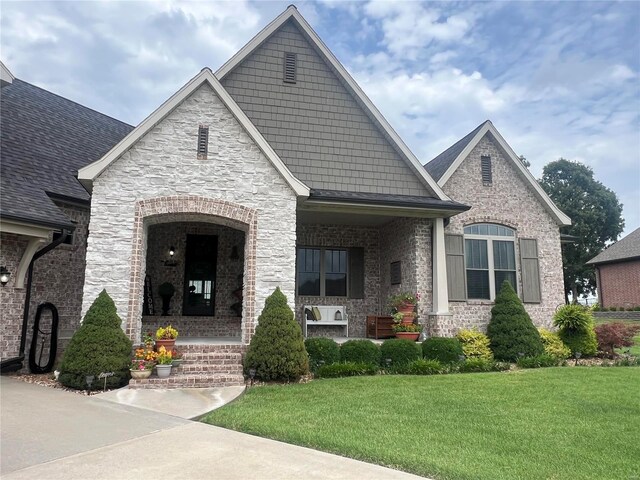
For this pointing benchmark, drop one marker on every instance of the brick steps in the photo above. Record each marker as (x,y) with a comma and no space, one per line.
(202,366)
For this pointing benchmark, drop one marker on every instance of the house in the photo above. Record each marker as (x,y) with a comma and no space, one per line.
(278,171)
(618,273)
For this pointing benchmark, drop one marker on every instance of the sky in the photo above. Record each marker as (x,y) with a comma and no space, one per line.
(556,79)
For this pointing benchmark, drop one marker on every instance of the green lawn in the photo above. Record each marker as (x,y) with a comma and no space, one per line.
(554,423)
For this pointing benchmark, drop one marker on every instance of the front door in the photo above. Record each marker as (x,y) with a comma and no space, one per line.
(200,275)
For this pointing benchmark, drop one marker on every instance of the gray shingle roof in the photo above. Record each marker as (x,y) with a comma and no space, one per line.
(45,139)
(626,248)
(386,199)
(440,164)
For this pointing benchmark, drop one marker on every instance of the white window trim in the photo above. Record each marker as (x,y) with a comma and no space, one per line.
(492,270)
(323,272)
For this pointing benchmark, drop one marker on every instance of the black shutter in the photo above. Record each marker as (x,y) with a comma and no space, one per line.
(356,272)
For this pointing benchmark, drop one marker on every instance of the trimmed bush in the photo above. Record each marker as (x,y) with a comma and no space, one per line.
(322,351)
(475,344)
(576,329)
(553,344)
(510,330)
(472,365)
(98,346)
(400,351)
(277,348)
(360,351)
(348,369)
(445,350)
(615,335)
(421,367)
(540,361)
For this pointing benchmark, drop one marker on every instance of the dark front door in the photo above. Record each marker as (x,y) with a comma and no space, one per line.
(200,275)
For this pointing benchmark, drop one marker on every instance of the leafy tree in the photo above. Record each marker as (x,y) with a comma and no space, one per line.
(596,216)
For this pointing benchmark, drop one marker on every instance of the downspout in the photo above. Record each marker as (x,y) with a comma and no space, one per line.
(15,364)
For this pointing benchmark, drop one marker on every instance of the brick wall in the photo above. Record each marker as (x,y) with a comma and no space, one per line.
(619,284)
(508,201)
(11,299)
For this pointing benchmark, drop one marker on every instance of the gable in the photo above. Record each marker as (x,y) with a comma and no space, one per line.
(315,125)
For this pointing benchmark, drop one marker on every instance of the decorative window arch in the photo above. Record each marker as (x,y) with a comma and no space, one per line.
(490,259)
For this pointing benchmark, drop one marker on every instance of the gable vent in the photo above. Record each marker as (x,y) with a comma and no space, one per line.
(485,164)
(203,142)
(290,67)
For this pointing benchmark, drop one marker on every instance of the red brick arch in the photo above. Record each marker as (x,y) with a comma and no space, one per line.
(179,208)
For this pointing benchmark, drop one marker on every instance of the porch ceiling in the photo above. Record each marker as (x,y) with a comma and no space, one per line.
(313,217)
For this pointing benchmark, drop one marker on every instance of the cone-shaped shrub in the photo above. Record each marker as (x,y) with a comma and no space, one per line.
(277,348)
(510,330)
(98,346)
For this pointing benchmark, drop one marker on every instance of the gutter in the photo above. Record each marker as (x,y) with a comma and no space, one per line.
(15,364)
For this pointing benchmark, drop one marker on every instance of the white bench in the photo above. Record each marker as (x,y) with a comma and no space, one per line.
(327,314)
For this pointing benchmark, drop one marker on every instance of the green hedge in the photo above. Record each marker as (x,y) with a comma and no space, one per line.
(360,351)
(348,369)
(322,351)
(445,350)
(400,351)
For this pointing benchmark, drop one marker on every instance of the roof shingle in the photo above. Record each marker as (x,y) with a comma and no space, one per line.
(624,249)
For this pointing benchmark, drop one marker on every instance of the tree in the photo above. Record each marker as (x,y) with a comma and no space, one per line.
(524,161)
(596,216)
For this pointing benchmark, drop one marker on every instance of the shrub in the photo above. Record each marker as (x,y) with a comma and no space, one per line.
(615,335)
(576,329)
(348,369)
(445,350)
(421,367)
(276,350)
(475,344)
(544,360)
(322,351)
(553,344)
(98,346)
(482,365)
(360,351)
(584,342)
(572,317)
(400,351)
(510,329)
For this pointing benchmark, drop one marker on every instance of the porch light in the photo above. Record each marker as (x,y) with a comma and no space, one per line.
(172,251)
(4,275)
(171,262)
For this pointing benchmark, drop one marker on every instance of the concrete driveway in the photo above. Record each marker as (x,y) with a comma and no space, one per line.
(53,434)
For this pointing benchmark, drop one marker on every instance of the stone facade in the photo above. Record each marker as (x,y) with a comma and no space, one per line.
(619,284)
(161,180)
(58,277)
(508,201)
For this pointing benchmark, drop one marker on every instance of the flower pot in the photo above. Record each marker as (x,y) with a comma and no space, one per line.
(413,336)
(167,343)
(176,362)
(406,308)
(163,371)
(140,374)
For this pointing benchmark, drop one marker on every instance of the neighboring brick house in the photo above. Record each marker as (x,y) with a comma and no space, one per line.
(278,171)
(618,273)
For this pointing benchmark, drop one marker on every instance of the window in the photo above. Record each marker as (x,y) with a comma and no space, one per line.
(290,67)
(490,259)
(322,272)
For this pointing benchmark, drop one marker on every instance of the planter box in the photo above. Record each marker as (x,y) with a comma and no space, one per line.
(380,327)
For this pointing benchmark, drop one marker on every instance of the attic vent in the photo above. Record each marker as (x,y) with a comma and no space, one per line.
(203,142)
(485,164)
(290,67)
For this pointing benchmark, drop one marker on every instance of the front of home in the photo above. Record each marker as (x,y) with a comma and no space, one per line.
(278,171)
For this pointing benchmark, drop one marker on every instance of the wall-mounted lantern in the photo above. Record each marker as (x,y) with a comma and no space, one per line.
(4,275)
(171,262)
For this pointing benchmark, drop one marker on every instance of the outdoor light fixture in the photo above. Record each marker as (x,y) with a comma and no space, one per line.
(171,262)
(252,374)
(388,362)
(89,380)
(577,356)
(461,358)
(172,251)
(4,275)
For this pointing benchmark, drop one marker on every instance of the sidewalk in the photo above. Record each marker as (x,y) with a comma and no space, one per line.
(52,434)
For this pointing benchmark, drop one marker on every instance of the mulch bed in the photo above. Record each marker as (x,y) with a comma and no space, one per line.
(48,380)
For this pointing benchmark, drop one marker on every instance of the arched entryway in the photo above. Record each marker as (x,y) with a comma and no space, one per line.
(200,225)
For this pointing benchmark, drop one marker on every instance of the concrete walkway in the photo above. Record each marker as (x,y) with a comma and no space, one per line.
(53,434)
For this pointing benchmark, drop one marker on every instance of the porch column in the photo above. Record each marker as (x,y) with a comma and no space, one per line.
(439,261)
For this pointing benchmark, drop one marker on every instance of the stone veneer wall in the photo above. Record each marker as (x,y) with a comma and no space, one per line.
(58,277)
(508,201)
(407,240)
(236,179)
(357,309)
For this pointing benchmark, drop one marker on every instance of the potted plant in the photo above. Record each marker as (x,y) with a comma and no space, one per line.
(163,367)
(410,331)
(166,337)
(147,339)
(403,306)
(144,359)
(176,358)
(166,291)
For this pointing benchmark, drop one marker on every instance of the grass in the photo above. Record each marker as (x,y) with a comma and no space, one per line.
(554,423)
